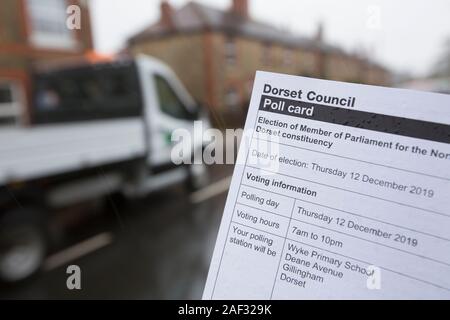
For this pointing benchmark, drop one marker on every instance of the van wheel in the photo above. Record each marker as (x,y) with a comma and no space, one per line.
(23,244)
(198,177)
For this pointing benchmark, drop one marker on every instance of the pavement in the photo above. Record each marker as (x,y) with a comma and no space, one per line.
(159,247)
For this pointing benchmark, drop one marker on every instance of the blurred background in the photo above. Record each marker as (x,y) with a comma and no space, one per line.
(86,119)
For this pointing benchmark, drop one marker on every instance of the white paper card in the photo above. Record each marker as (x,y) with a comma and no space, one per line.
(341,191)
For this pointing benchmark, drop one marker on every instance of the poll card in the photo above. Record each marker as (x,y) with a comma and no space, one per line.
(340,191)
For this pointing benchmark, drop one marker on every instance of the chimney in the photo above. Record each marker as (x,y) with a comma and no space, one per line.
(240,8)
(319,33)
(166,14)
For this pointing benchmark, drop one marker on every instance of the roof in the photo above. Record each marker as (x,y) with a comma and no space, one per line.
(196,17)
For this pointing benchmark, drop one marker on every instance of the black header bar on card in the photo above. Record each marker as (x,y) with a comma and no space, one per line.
(358,119)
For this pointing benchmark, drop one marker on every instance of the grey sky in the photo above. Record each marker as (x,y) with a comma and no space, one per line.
(405,35)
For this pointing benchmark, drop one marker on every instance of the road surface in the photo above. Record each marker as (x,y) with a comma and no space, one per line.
(154,248)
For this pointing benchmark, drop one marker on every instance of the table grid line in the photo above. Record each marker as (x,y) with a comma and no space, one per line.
(348,257)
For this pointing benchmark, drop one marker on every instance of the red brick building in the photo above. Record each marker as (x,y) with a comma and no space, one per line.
(34,31)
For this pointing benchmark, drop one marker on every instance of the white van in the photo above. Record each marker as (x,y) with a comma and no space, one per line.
(96,129)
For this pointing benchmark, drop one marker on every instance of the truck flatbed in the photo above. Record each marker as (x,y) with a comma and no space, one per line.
(45,150)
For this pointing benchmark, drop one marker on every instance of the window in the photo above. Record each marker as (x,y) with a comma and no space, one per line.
(230,51)
(9,103)
(5,94)
(169,101)
(48,24)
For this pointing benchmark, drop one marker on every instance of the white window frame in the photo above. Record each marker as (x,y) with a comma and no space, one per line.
(40,38)
(230,51)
